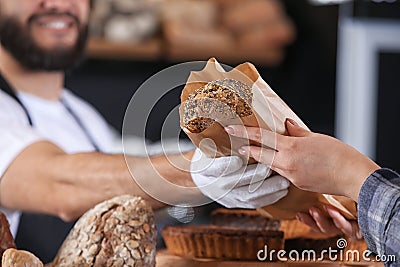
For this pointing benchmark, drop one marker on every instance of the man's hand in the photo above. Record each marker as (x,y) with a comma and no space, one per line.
(234,184)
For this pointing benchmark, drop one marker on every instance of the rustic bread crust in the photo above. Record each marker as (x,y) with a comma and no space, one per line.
(118,232)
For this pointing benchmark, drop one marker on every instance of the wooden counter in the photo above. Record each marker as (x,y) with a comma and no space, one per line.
(166,260)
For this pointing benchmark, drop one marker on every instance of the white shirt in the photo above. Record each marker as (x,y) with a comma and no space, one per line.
(52,122)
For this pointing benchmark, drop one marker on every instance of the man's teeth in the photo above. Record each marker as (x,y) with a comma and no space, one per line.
(58,25)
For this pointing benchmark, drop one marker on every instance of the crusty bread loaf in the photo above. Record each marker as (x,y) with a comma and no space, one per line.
(226,97)
(20,258)
(6,239)
(118,232)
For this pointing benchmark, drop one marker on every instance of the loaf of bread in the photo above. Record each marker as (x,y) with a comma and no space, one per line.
(6,239)
(20,258)
(118,232)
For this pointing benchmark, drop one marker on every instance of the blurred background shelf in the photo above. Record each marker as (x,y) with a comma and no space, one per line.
(101,48)
(158,49)
(229,54)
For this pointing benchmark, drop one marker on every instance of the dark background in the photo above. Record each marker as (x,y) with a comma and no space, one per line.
(388,124)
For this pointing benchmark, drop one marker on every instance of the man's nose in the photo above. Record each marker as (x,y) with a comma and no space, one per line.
(59,5)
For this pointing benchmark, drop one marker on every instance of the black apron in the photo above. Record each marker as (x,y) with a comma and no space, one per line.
(38,233)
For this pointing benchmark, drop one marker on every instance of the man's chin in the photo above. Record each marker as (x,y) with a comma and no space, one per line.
(55,45)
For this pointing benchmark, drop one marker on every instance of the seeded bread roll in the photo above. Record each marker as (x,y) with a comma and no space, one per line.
(118,232)
(220,99)
(20,258)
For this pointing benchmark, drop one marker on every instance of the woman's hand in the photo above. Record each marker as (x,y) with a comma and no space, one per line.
(332,222)
(311,161)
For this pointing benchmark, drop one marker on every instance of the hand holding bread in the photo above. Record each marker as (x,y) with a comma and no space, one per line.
(217,99)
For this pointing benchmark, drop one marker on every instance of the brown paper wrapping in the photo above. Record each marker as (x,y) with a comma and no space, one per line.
(270,112)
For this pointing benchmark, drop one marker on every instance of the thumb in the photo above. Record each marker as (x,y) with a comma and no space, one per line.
(294,129)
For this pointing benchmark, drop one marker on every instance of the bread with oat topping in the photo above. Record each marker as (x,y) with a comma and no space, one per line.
(118,232)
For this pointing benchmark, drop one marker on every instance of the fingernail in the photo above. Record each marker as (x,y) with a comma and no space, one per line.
(325,208)
(312,212)
(359,234)
(332,212)
(244,151)
(292,122)
(229,130)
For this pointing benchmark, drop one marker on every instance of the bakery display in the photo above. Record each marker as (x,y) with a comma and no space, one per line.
(220,243)
(6,239)
(19,258)
(118,232)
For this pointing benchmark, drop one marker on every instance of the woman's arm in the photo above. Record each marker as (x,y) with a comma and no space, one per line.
(311,161)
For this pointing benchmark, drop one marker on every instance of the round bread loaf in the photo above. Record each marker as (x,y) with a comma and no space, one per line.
(216,101)
(118,232)
(19,258)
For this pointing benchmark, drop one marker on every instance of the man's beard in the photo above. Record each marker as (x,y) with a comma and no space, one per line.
(19,42)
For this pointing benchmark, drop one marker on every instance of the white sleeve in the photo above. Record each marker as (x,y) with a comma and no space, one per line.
(15,132)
